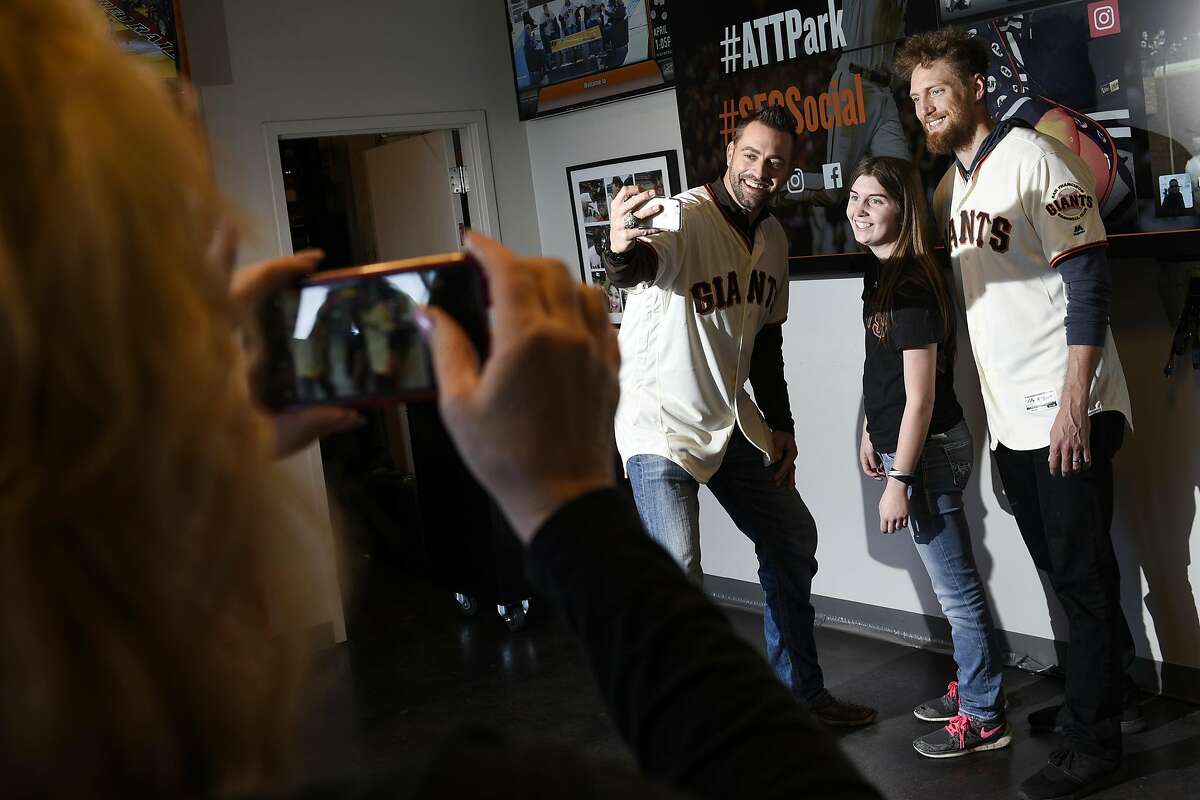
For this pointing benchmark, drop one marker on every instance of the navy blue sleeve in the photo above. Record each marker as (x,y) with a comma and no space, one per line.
(1089,295)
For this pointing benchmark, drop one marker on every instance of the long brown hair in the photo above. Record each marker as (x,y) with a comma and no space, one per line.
(911,264)
(144,536)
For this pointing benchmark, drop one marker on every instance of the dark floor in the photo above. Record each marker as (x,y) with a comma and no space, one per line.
(415,669)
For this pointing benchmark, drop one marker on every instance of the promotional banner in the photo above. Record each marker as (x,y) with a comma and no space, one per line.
(1116,82)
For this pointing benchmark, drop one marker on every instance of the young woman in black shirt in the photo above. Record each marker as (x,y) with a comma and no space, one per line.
(915,439)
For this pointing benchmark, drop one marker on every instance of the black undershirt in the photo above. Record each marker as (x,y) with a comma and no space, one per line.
(916,322)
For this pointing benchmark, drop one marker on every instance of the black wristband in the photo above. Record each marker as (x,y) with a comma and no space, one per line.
(616,258)
(907,480)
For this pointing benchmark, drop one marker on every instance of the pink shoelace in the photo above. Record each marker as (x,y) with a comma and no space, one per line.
(958,727)
(952,690)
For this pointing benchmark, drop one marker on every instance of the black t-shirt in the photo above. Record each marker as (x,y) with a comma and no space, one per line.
(916,322)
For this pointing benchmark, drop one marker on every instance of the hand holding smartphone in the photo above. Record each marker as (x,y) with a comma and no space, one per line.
(634,214)
(349,336)
(668,218)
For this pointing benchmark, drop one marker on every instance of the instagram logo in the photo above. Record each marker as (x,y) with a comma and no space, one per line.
(1104,18)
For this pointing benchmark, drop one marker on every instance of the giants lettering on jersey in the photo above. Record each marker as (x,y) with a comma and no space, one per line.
(723,292)
(972,227)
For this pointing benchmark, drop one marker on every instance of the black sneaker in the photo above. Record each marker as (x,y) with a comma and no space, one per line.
(943,709)
(1070,775)
(1045,720)
(964,735)
(840,713)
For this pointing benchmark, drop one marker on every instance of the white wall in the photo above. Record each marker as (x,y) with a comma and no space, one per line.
(260,61)
(313,59)
(642,125)
(1157,524)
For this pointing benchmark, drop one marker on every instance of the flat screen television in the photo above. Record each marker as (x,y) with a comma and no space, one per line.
(1116,80)
(567,54)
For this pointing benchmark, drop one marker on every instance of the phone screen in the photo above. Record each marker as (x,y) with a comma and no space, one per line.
(349,337)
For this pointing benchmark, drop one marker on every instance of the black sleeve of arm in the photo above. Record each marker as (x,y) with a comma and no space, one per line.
(915,324)
(697,705)
(638,264)
(1089,295)
(766,376)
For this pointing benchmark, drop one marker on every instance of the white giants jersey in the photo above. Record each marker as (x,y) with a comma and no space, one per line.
(1028,205)
(686,339)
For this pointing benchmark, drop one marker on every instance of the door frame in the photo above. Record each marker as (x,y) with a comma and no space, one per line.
(476,155)
(485,218)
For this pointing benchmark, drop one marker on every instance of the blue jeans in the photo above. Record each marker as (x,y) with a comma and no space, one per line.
(773,517)
(943,540)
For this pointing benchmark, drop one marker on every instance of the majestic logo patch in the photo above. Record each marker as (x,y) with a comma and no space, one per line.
(1069,201)
(1079,230)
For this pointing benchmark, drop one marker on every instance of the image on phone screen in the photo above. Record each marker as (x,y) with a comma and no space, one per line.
(350,337)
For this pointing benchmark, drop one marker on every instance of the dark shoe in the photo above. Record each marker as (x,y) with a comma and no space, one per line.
(943,709)
(1132,719)
(1045,720)
(1070,775)
(840,713)
(964,735)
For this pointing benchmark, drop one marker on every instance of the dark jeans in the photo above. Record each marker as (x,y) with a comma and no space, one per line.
(1065,524)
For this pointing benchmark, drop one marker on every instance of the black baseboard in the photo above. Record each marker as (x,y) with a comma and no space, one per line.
(1032,653)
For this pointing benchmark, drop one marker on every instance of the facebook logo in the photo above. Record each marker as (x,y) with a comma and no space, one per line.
(833,175)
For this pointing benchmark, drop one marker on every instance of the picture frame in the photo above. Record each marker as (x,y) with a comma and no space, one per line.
(591,188)
(151,31)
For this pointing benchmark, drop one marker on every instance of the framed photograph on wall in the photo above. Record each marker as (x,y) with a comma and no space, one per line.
(150,30)
(592,187)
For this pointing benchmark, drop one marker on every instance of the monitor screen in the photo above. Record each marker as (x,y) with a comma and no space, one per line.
(570,53)
(1116,80)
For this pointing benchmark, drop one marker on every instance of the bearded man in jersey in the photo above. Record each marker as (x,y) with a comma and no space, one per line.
(705,312)
(1023,228)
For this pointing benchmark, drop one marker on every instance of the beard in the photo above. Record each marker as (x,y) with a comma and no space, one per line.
(750,202)
(954,134)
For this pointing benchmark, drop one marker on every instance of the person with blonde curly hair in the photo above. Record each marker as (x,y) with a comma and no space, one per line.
(150,552)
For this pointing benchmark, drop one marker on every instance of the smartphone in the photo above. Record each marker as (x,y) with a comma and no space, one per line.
(349,336)
(671,216)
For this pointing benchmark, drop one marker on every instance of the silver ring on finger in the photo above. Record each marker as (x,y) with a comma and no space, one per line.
(630,221)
